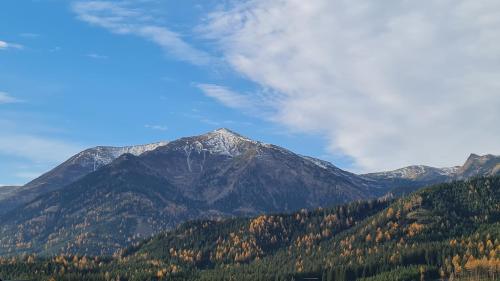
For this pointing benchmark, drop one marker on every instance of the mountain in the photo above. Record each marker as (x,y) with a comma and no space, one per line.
(71,170)
(7,191)
(486,165)
(121,202)
(409,179)
(218,174)
(105,198)
(448,231)
(237,175)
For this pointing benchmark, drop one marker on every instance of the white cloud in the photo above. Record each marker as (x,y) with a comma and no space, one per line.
(7,45)
(226,96)
(156,127)
(29,148)
(389,84)
(258,103)
(6,98)
(36,148)
(96,56)
(122,18)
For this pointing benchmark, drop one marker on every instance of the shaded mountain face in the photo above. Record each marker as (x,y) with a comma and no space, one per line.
(68,172)
(7,191)
(236,175)
(486,165)
(218,174)
(409,179)
(117,204)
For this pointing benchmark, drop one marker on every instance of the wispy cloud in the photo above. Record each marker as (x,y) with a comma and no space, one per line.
(55,49)
(389,84)
(122,18)
(36,148)
(156,127)
(96,56)
(29,35)
(8,45)
(29,147)
(226,96)
(6,98)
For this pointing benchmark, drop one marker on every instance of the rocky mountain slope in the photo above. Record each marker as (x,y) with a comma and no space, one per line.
(7,191)
(74,168)
(408,179)
(217,174)
(485,165)
(105,198)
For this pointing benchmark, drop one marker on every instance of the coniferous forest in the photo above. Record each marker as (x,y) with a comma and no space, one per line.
(447,231)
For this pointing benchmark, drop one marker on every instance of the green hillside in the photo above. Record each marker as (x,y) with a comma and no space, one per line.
(445,230)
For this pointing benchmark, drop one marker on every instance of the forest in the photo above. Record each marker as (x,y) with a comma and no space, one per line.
(448,231)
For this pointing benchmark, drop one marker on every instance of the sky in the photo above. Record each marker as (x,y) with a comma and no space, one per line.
(367,85)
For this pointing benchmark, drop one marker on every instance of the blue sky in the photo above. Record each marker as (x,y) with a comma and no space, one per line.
(76,85)
(368,86)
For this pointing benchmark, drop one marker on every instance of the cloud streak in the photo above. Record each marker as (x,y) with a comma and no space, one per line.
(225,96)
(96,56)
(156,127)
(36,148)
(389,84)
(6,98)
(122,18)
(7,45)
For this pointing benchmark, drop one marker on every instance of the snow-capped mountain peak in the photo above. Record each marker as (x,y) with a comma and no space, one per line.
(102,155)
(221,141)
(417,171)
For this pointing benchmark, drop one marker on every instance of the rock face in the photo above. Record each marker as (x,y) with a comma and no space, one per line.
(68,172)
(486,165)
(218,174)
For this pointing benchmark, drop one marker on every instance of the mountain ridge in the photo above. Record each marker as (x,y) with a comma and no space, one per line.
(408,179)
(218,174)
(72,169)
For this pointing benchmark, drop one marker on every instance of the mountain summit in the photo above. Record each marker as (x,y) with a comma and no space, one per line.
(408,179)
(74,168)
(217,174)
(104,198)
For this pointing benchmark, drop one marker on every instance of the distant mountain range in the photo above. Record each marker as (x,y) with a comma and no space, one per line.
(408,179)
(105,198)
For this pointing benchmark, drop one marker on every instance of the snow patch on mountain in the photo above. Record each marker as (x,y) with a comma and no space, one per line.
(417,171)
(220,142)
(103,155)
(318,162)
(225,142)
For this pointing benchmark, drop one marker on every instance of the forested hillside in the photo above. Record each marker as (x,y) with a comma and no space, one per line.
(445,230)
